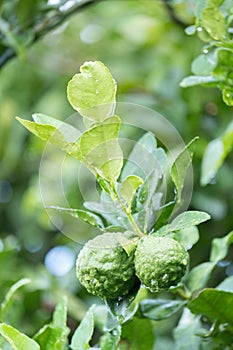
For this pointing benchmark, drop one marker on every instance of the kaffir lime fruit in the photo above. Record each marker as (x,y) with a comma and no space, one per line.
(160,262)
(104,268)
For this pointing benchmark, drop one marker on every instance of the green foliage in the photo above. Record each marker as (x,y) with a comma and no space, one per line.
(214,304)
(213,66)
(180,167)
(54,335)
(137,332)
(215,154)
(159,309)
(18,341)
(83,333)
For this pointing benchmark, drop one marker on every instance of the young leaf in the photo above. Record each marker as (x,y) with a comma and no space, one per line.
(57,133)
(86,216)
(220,247)
(217,305)
(137,333)
(109,341)
(92,91)
(159,309)
(100,149)
(186,333)
(129,187)
(54,335)
(17,340)
(83,333)
(180,167)
(5,306)
(215,153)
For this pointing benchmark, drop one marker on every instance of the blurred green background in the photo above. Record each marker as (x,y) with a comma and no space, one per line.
(148,53)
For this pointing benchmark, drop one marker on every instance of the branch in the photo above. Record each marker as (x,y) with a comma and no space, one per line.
(40,30)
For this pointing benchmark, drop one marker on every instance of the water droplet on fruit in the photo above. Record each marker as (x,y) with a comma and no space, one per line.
(154,286)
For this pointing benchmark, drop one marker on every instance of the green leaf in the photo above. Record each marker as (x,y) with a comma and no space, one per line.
(122,308)
(108,211)
(143,159)
(226,285)
(159,309)
(55,335)
(60,314)
(164,216)
(219,247)
(199,276)
(92,91)
(212,160)
(187,237)
(137,333)
(149,201)
(17,340)
(129,187)
(86,216)
(194,80)
(100,149)
(186,333)
(184,221)
(214,23)
(180,167)
(129,245)
(227,95)
(216,305)
(205,63)
(83,333)
(109,341)
(6,304)
(189,218)
(215,153)
(57,133)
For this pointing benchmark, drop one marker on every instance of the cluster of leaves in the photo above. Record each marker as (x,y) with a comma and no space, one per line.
(213,68)
(134,203)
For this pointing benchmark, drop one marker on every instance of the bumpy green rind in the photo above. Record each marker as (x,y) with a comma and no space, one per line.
(104,268)
(160,262)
